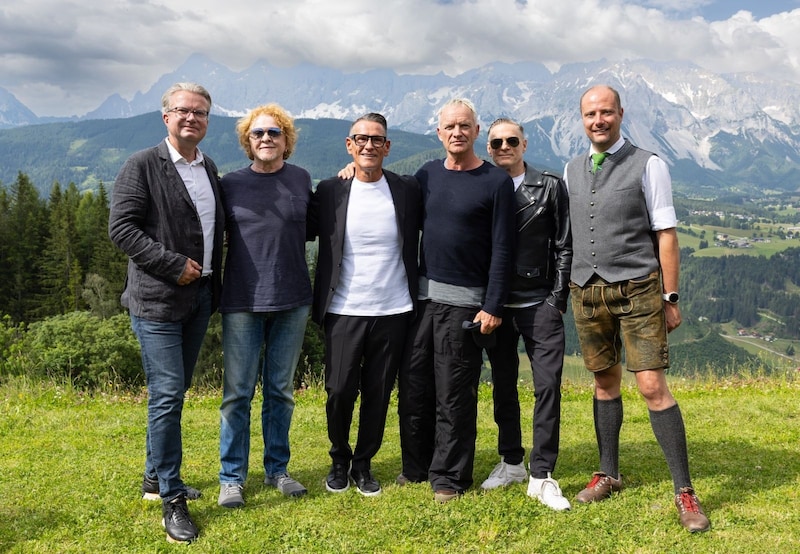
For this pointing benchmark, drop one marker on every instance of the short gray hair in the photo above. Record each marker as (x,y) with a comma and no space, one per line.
(188,87)
(373,117)
(459,102)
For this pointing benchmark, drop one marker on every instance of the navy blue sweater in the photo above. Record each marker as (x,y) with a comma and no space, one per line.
(468,229)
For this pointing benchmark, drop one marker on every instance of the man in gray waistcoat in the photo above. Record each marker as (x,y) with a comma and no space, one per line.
(624,290)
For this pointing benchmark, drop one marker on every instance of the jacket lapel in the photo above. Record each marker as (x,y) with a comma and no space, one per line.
(399,197)
(341,195)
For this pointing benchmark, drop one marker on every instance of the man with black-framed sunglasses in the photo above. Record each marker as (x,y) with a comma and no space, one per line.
(536,301)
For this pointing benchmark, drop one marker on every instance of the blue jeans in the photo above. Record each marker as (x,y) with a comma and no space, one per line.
(169,353)
(243,334)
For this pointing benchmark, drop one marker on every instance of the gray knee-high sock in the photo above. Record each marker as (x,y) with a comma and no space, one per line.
(607,425)
(671,436)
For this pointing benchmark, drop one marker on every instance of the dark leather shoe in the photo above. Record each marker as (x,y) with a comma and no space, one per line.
(443,496)
(402,480)
(337,480)
(150,490)
(599,488)
(179,525)
(366,484)
(692,516)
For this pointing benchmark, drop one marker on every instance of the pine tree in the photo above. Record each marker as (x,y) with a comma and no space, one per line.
(5,242)
(104,264)
(62,276)
(104,258)
(26,233)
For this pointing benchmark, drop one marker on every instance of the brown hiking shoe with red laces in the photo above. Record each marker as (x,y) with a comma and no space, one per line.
(692,516)
(599,488)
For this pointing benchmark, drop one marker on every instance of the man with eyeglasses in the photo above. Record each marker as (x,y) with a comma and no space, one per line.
(466,256)
(536,302)
(266,298)
(365,291)
(166,215)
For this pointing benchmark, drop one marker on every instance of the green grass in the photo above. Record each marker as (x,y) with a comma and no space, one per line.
(766,249)
(772,352)
(574,374)
(72,464)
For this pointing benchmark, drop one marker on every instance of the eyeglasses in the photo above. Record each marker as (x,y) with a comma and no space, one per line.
(362,140)
(183,113)
(272,132)
(513,142)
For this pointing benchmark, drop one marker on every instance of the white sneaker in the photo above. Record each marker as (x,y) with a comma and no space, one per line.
(504,474)
(548,493)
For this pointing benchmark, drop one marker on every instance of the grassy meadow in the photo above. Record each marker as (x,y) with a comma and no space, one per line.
(765,249)
(72,463)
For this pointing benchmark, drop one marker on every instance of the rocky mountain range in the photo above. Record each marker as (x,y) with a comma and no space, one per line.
(736,132)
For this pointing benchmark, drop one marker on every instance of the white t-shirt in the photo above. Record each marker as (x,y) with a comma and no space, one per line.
(373,280)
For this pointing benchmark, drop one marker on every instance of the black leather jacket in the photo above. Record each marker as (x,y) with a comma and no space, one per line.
(544,241)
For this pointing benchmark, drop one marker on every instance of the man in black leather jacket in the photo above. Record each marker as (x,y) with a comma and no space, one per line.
(536,302)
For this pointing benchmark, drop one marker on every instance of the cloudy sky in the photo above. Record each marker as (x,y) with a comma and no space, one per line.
(65,57)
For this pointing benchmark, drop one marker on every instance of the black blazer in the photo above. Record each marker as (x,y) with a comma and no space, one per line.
(326,219)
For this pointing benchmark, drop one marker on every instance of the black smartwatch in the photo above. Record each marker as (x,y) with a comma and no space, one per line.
(671,297)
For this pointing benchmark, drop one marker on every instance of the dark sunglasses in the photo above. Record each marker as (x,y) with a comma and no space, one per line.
(513,142)
(258,133)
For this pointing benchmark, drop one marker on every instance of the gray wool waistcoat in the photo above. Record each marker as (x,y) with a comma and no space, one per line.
(611,234)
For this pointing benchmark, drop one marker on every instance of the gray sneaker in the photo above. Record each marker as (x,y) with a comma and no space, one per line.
(504,474)
(285,484)
(230,495)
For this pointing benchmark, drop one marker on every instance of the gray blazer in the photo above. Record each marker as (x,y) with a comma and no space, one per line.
(154,221)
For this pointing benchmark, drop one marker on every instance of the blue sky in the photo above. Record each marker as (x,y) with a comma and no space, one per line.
(69,61)
(716,11)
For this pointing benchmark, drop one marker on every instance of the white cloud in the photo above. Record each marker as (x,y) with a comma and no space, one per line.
(69,61)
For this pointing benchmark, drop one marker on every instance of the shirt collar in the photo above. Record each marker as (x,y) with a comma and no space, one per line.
(176,156)
(614,147)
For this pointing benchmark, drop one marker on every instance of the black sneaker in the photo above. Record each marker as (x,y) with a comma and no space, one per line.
(150,490)
(179,525)
(365,482)
(337,480)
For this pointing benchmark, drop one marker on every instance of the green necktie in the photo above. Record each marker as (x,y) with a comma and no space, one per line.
(597,160)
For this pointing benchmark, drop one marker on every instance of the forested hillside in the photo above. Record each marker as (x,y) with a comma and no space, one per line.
(56,260)
(739,288)
(88,153)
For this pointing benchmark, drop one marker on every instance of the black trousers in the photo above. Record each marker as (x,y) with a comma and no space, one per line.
(438,398)
(361,354)
(542,330)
